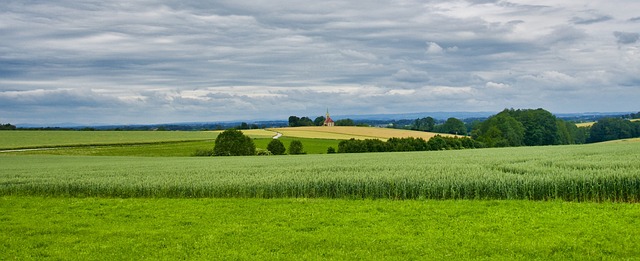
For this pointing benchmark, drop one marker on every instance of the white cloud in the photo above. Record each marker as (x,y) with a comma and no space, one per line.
(434,48)
(497,86)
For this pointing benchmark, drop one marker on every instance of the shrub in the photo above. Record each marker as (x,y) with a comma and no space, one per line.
(263,152)
(331,150)
(233,143)
(296,147)
(276,147)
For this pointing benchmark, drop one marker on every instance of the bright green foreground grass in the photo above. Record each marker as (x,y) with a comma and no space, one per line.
(35,228)
(598,172)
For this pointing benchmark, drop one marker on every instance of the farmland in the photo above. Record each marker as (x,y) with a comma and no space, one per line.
(551,202)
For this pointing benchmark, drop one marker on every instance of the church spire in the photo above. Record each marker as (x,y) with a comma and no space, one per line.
(328,121)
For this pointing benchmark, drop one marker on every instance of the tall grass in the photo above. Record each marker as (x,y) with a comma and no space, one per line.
(598,172)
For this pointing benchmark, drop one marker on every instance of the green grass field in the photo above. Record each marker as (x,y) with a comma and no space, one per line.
(42,139)
(136,143)
(36,228)
(170,149)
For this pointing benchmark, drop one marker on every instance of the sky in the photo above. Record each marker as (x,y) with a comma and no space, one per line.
(129,62)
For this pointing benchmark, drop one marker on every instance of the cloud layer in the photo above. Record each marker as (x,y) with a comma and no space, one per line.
(174,61)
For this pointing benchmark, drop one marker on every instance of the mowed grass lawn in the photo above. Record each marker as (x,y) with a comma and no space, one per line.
(36,228)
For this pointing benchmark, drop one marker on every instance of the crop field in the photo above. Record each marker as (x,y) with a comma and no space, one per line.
(597,172)
(348,132)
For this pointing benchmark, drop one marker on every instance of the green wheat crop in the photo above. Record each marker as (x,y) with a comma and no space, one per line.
(598,172)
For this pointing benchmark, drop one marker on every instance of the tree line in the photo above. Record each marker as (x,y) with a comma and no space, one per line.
(295,121)
(7,127)
(450,126)
(614,129)
(407,144)
(539,127)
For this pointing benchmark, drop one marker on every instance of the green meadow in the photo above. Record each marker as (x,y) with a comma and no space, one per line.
(135,143)
(37,228)
(46,139)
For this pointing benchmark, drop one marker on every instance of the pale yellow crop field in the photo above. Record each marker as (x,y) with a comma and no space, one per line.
(585,124)
(256,133)
(348,132)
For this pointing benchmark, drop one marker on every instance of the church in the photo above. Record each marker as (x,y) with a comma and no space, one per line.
(328,121)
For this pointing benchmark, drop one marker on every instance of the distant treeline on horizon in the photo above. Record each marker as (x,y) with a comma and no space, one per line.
(391,123)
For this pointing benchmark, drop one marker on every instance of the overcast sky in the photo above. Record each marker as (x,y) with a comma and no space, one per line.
(123,62)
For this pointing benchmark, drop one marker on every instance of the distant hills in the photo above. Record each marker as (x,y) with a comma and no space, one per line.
(373,118)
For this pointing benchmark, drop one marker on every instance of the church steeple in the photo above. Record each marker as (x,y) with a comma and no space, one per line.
(328,121)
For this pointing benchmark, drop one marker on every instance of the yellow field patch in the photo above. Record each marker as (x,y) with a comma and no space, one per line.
(256,133)
(348,132)
(585,124)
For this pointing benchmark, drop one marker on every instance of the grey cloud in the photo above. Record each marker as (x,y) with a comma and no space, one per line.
(191,60)
(60,98)
(626,38)
(591,17)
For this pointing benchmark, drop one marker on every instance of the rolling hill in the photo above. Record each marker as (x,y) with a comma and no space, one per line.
(348,132)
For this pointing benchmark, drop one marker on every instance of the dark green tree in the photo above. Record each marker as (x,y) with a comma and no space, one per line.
(319,121)
(345,122)
(296,147)
(305,121)
(454,126)
(613,129)
(500,130)
(437,143)
(540,126)
(424,124)
(233,142)
(276,147)
(7,127)
(294,121)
